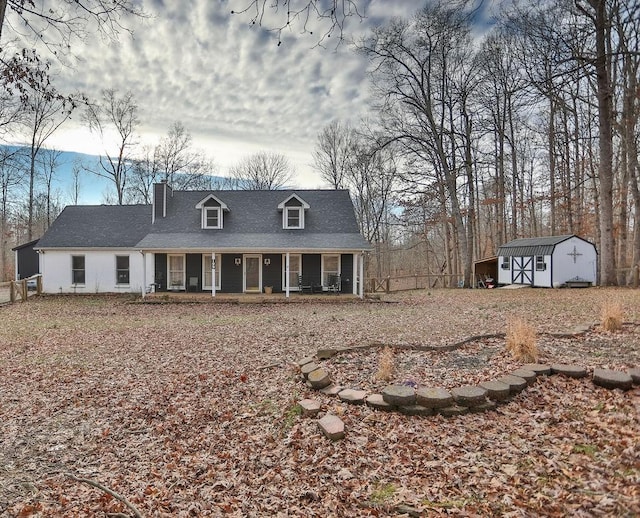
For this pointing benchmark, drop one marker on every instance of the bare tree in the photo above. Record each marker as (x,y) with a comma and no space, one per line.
(119,116)
(262,170)
(49,161)
(76,183)
(332,152)
(56,24)
(11,177)
(45,110)
(303,15)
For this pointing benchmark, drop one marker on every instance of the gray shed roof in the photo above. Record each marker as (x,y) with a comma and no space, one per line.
(252,222)
(527,247)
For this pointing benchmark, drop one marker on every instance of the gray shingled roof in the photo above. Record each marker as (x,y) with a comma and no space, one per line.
(527,247)
(98,226)
(253,222)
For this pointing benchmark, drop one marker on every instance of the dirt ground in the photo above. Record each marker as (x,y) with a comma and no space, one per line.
(190,409)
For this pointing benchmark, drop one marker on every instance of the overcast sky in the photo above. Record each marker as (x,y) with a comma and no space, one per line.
(229,83)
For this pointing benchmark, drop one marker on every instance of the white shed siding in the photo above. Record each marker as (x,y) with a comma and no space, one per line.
(584,267)
(504,275)
(542,278)
(100,271)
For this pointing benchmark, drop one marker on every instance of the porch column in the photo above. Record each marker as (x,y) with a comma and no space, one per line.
(286,275)
(144,274)
(354,274)
(361,293)
(213,274)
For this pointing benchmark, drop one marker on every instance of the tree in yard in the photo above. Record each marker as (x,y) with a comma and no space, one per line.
(332,153)
(11,177)
(424,75)
(262,170)
(45,111)
(49,161)
(114,120)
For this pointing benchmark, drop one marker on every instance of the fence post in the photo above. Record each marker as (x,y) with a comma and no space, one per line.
(388,285)
(636,275)
(12,293)
(24,290)
(39,285)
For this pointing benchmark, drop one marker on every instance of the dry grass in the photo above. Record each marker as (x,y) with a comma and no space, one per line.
(522,341)
(386,365)
(611,316)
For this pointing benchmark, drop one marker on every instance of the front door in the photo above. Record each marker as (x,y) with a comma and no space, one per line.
(522,272)
(252,273)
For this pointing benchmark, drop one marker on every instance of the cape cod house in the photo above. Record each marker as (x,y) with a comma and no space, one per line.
(548,262)
(208,241)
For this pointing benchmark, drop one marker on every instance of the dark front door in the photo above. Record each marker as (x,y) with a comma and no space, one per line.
(522,270)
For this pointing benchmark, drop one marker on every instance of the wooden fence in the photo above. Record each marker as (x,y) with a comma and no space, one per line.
(413,282)
(14,291)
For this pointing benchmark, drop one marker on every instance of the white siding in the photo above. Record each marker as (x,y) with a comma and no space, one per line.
(504,276)
(542,278)
(100,271)
(584,267)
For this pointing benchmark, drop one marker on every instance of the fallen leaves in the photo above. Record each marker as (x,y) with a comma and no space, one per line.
(170,407)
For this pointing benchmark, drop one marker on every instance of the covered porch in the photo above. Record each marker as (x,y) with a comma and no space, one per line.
(254,272)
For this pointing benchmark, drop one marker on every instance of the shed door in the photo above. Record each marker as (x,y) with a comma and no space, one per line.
(522,270)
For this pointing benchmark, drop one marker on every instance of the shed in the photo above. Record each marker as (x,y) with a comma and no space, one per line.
(27,261)
(547,262)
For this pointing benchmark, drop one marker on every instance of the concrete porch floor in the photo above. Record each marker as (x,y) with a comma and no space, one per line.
(249,298)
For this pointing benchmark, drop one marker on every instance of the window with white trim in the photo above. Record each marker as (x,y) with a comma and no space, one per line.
(211,217)
(541,266)
(77,269)
(176,272)
(295,269)
(122,269)
(293,217)
(506,264)
(207,266)
(330,266)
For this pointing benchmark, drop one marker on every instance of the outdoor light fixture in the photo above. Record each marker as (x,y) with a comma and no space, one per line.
(267,261)
(238,261)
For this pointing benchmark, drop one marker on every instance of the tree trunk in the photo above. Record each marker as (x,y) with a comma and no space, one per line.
(605,167)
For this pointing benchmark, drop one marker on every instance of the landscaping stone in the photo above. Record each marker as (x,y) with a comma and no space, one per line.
(571,371)
(496,390)
(453,410)
(355,397)
(539,368)
(305,360)
(635,375)
(310,407)
(434,397)
(377,401)
(469,396)
(319,379)
(332,390)
(484,407)
(399,395)
(612,379)
(528,375)
(308,368)
(325,354)
(332,427)
(516,383)
(415,410)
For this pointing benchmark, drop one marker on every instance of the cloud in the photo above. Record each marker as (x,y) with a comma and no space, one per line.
(227,81)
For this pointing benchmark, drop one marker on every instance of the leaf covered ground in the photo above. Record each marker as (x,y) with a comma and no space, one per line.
(190,409)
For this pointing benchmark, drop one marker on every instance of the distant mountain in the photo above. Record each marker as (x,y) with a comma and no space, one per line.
(92,187)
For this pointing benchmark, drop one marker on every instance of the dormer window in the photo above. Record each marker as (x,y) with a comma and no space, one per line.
(293,217)
(211,217)
(293,211)
(212,212)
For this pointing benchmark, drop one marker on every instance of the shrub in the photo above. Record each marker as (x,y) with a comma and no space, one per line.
(386,365)
(611,316)
(522,341)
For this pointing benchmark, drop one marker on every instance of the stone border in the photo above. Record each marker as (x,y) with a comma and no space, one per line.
(408,400)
